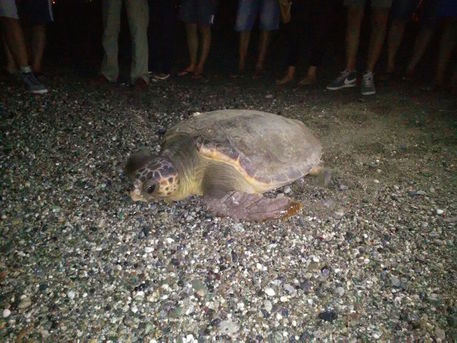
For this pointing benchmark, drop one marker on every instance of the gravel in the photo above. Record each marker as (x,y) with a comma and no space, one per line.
(371,257)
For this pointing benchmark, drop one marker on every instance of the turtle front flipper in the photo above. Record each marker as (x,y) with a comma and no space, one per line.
(252,206)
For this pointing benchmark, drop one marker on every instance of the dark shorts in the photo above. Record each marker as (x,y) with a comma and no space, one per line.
(373,3)
(36,12)
(447,8)
(198,11)
(404,9)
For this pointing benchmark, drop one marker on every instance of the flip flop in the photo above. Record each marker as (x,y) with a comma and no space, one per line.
(185,72)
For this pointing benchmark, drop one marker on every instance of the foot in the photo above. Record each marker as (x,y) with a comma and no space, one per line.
(409,75)
(252,207)
(101,80)
(346,79)
(285,80)
(308,81)
(187,71)
(140,84)
(367,87)
(258,72)
(32,83)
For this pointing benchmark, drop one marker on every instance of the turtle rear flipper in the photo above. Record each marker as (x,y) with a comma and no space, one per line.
(252,206)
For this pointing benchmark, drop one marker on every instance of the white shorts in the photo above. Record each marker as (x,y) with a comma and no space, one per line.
(8,9)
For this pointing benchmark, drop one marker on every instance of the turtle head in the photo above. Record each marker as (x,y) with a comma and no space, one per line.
(153,177)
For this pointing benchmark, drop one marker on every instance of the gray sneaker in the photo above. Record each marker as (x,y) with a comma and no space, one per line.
(346,79)
(367,87)
(33,84)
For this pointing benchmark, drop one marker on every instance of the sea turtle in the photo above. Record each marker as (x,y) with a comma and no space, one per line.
(230,157)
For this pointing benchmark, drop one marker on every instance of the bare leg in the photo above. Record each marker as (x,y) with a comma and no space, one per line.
(245,36)
(354,20)
(394,40)
(378,32)
(447,44)
(10,66)
(205,32)
(15,40)
(311,76)
(263,46)
(290,75)
(420,45)
(37,45)
(192,45)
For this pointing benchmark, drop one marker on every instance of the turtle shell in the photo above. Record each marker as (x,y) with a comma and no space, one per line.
(269,150)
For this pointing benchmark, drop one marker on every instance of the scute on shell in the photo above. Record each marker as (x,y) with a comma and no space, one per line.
(269,148)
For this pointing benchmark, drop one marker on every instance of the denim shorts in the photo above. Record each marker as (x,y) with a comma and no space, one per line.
(8,9)
(268,11)
(374,3)
(198,11)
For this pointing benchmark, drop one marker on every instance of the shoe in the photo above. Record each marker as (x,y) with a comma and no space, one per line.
(346,79)
(367,87)
(140,84)
(159,77)
(32,83)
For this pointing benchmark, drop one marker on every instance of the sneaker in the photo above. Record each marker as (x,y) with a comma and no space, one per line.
(346,79)
(33,84)
(367,87)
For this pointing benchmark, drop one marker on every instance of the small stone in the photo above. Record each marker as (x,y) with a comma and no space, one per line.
(6,313)
(148,250)
(71,294)
(339,213)
(377,335)
(25,302)
(339,291)
(199,287)
(328,316)
(270,292)
(268,306)
(287,190)
(269,96)
(439,211)
(376,181)
(228,327)
(440,334)
(395,281)
(290,289)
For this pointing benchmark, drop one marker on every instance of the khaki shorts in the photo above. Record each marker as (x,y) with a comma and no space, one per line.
(8,9)
(374,3)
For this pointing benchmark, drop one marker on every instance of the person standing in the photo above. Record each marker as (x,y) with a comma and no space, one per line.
(138,20)
(198,16)
(15,43)
(308,29)
(355,13)
(161,34)
(268,13)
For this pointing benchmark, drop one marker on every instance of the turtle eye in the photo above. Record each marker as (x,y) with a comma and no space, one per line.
(151,189)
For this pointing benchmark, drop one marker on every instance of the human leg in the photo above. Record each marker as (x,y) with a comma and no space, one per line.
(138,19)
(378,30)
(347,78)
(268,21)
(447,43)
(247,11)
(111,26)
(205,34)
